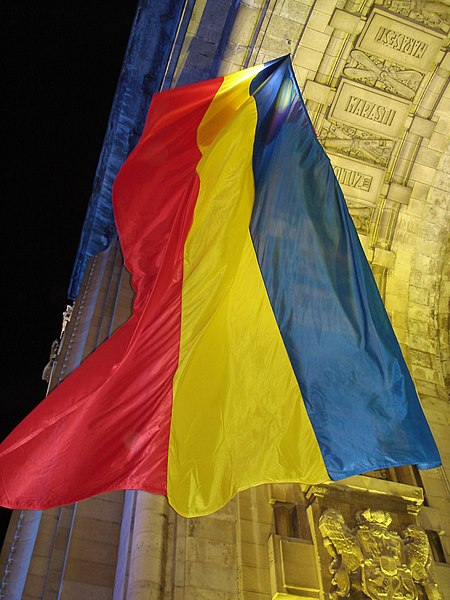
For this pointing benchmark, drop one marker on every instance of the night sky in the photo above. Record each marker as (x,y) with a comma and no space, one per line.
(62,64)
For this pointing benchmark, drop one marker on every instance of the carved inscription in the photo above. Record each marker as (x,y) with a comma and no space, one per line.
(353,179)
(358,180)
(401,42)
(369,110)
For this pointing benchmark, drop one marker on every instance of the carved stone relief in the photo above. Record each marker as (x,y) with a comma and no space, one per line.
(345,139)
(371,561)
(361,216)
(432,14)
(383,74)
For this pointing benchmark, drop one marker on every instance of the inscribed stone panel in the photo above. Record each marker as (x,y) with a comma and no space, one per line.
(395,38)
(369,109)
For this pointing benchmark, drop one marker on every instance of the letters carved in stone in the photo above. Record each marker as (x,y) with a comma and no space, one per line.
(358,180)
(400,40)
(373,562)
(369,109)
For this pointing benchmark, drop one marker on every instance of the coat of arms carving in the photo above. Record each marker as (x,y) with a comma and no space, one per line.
(371,561)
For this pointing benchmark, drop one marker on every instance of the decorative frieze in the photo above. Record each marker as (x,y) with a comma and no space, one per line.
(392,37)
(432,14)
(345,139)
(369,109)
(382,74)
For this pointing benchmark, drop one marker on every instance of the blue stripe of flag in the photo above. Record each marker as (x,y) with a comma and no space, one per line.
(356,386)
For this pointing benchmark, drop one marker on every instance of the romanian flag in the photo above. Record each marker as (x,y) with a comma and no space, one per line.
(259,349)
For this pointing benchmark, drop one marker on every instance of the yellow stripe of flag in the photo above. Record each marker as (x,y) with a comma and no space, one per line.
(238,418)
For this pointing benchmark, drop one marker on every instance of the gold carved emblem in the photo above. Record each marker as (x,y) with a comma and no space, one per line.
(373,562)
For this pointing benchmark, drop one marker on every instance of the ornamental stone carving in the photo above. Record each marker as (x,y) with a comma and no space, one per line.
(383,74)
(373,562)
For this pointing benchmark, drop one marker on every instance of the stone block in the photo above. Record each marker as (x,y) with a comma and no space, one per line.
(217,552)
(255,512)
(39,565)
(244,24)
(188,593)
(422,127)
(442,125)
(34,586)
(430,518)
(254,579)
(438,417)
(397,288)
(251,534)
(44,545)
(438,142)
(440,432)
(426,345)
(322,94)
(254,555)
(425,374)
(325,6)
(398,319)
(431,232)
(420,358)
(345,21)
(90,572)
(211,577)
(422,173)
(420,296)
(94,551)
(442,575)
(445,63)
(438,197)
(100,509)
(318,21)
(148,545)
(276,45)
(429,158)
(144,590)
(289,9)
(417,327)
(285,28)
(399,193)
(255,596)
(434,486)
(443,108)
(384,258)
(74,590)
(96,530)
(416,207)
(211,529)
(314,40)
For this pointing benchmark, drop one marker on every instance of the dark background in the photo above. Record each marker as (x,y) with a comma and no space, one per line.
(61,65)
